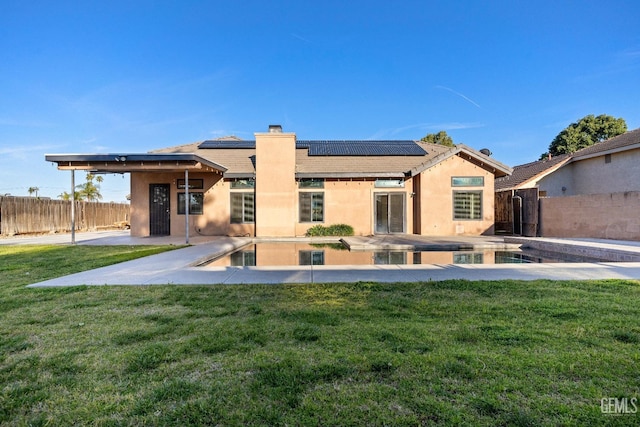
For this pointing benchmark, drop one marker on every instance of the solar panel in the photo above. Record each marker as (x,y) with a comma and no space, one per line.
(336,148)
(227,144)
(364,148)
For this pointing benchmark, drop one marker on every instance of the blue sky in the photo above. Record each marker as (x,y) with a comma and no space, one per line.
(132,76)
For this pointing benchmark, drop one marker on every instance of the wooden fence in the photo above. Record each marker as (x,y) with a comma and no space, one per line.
(23,215)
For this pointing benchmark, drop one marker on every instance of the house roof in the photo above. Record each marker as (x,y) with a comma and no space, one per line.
(626,141)
(522,174)
(127,162)
(314,159)
(335,148)
(530,171)
(341,159)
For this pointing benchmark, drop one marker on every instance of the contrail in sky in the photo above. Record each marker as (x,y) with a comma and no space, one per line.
(459,94)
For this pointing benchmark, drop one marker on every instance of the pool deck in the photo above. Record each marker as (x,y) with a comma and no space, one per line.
(178,266)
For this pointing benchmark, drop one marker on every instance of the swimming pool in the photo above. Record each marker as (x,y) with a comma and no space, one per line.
(265,254)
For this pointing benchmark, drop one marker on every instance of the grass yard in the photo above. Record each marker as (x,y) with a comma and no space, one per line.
(440,353)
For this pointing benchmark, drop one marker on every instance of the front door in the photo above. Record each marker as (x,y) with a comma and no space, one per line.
(159,210)
(389,213)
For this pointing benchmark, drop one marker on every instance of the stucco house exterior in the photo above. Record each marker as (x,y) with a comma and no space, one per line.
(610,166)
(279,186)
(594,192)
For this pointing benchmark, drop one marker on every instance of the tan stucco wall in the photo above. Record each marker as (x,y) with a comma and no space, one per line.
(595,176)
(345,201)
(214,220)
(437,199)
(603,216)
(275,184)
(351,202)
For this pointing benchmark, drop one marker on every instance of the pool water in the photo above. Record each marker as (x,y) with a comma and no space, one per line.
(292,254)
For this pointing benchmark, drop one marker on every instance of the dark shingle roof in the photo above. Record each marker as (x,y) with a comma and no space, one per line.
(523,173)
(239,157)
(335,148)
(620,141)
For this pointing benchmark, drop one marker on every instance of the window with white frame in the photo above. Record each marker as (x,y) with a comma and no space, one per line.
(467,205)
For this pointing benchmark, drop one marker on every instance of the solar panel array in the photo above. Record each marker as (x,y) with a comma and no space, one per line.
(337,148)
(227,144)
(364,148)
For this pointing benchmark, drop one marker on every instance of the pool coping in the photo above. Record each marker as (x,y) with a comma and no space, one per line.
(176,267)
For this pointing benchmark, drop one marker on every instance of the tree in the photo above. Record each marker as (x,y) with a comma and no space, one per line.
(587,131)
(32,190)
(90,191)
(66,196)
(440,138)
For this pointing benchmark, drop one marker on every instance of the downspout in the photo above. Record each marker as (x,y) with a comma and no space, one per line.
(186,204)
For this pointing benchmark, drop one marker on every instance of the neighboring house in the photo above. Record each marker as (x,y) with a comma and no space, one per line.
(277,186)
(594,192)
(610,166)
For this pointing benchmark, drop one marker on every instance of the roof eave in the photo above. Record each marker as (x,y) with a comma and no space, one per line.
(605,152)
(486,162)
(350,175)
(126,162)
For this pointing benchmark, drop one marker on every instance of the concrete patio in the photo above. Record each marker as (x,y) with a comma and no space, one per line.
(178,266)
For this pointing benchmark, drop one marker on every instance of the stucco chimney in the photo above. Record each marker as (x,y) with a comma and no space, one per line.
(276,213)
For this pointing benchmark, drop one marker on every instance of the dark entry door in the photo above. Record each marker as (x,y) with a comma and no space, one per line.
(159,210)
(389,213)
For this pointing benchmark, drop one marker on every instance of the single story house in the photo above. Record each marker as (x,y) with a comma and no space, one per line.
(610,166)
(594,192)
(278,186)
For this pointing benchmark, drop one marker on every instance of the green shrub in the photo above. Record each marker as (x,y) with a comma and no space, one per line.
(332,230)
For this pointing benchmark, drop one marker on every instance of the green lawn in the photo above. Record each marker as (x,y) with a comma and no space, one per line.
(438,353)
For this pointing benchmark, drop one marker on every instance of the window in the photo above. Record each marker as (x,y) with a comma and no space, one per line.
(467,205)
(470,258)
(389,183)
(194,184)
(311,183)
(607,158)
(311,207)
(195,203)
(243,259)
(389,258)
(467,181)
(239,184)
(242,208)
(311,258)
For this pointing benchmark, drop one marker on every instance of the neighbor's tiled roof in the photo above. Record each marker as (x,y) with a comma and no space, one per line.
(528,171)
(617,142)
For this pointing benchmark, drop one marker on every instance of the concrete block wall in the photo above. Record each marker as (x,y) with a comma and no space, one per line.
(602,216)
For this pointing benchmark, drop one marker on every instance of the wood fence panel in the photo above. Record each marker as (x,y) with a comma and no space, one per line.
(530,197)
(503,212)
(23,215)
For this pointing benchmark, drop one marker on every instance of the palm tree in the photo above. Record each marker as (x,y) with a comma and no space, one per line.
(90,191)
(32,190)
(66,196)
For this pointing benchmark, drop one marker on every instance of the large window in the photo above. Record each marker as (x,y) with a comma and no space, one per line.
(311,207)
(467,205)
(195,203)
(242,207)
